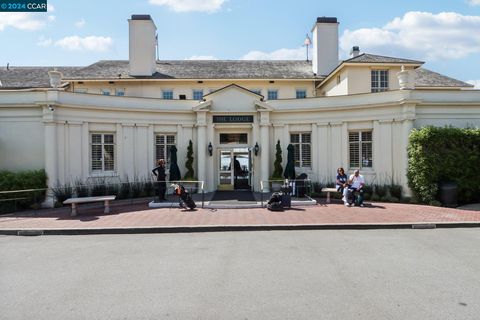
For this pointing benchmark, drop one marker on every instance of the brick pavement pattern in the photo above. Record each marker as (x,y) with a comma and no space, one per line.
(138,215)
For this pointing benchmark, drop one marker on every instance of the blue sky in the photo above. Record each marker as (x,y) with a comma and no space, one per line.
(444,33)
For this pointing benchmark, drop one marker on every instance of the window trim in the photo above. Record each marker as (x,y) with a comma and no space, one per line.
(272,90)
(300,90)
(360,144)
(122,90)
(105,91)
(165,144)
(379,88)
(300,143)
(164,91)
(197,91)
(103,171)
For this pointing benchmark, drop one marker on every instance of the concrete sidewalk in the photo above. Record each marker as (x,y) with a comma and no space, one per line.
(128,217)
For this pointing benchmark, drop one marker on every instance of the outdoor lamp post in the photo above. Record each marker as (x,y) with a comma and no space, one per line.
(256,148)
(210,149)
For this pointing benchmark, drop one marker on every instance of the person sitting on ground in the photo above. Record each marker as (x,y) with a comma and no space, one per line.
(356,183)
(341,180)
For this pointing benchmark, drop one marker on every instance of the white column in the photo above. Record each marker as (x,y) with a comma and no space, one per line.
(265,148)
(201,149)
(264,155)
(85,151)
(51,163)
(407,127)
(51,153)
(314,157)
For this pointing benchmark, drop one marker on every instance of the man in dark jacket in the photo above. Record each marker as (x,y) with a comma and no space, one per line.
(159,171)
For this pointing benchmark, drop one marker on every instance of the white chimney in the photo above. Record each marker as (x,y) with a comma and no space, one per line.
(325,45)
(141,49)
(355,51)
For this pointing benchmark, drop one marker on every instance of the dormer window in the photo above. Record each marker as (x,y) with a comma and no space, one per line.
(379,80)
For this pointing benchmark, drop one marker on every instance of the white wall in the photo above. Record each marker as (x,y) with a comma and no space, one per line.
(21,139)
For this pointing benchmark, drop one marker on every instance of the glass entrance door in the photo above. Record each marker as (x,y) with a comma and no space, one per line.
(235,169)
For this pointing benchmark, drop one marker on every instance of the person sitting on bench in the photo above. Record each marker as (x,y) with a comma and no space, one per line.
(356,183)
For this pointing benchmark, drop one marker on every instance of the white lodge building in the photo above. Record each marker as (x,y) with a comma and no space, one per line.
(115,118)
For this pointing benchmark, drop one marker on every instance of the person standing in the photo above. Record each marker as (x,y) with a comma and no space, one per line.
(159,172)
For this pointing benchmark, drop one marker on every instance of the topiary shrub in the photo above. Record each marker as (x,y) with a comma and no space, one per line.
(277,165)
(190,175)
(437,155)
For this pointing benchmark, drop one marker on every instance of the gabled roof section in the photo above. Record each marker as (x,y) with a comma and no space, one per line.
(30,77)
(233,85)
(372,58)
(427,78)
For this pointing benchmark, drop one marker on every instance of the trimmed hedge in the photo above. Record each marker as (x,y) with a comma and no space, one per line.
(437,155)
(35,179)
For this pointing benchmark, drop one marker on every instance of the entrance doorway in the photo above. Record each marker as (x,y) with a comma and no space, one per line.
(235,171)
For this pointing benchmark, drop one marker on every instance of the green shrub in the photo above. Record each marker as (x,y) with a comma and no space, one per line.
(437,155)
(190,175)
(23,180)
(277,164)
(380,190)
(396,191)
(98,188)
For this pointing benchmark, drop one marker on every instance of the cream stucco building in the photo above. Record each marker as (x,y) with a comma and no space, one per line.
(115,118)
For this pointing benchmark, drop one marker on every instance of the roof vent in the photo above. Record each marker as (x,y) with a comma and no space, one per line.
(355,51)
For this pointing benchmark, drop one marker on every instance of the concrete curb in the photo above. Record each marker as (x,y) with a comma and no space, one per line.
(228,228)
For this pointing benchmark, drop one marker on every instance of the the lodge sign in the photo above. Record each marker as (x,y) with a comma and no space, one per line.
(232,119)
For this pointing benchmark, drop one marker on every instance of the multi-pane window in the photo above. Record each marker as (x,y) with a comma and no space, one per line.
(303,151)
(360,149)
(120,92)
(257,91)
(102,146)
(272,95)
(300,94)
(163,143)
(379,80)
(197,94)
(167,94)
(105,92)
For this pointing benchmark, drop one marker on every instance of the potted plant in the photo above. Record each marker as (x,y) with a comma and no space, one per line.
(276,178)
(190,175)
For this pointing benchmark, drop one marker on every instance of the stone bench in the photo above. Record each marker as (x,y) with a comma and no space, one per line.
(74,201)
(328,190)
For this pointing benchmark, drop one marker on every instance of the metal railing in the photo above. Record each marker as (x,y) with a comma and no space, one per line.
(33,198)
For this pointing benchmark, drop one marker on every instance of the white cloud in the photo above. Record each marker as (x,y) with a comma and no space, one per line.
(202,58)
(209,6)
(476,83)
(90,43)
(474,2)
(44,42)
(446,35)
(280,54)
(22,20)
(26,20)
(80,23)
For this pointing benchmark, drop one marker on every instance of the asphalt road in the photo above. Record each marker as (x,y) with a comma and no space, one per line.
(364,274)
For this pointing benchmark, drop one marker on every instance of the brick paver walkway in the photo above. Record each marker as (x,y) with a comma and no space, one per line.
(139,215)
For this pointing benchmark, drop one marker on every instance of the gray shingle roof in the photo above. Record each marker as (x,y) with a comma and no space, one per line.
(427,78)
(372,58)
(203,69)
(30,77)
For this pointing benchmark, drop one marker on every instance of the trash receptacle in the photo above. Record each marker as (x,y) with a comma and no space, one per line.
(448,194)
(286,196)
